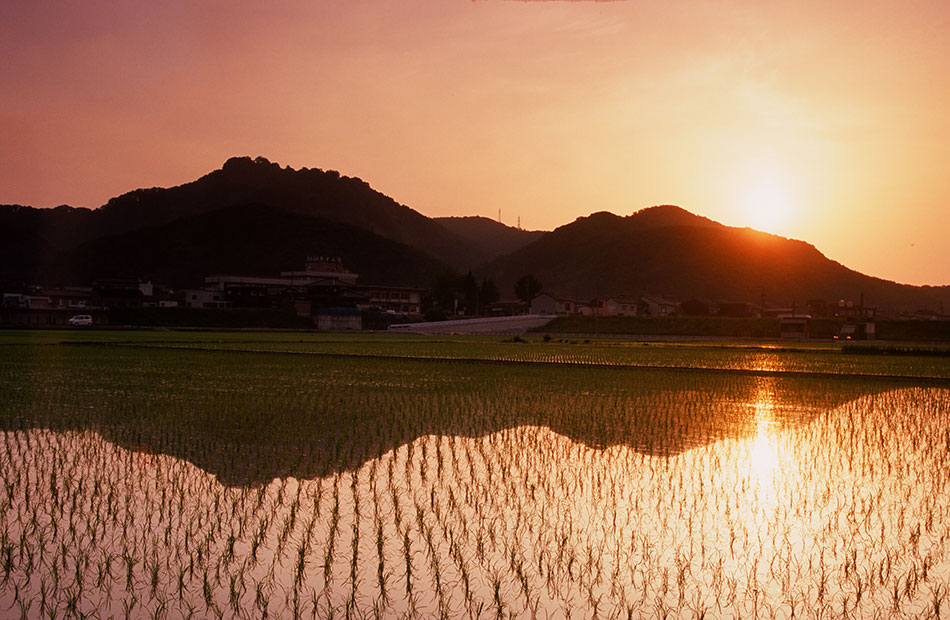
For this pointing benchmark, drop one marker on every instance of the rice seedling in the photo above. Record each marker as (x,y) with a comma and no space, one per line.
(152,482)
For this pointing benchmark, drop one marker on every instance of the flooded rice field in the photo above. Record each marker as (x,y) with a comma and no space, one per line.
(162,483)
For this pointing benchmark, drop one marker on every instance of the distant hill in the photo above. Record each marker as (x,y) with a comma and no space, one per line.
(243,240)
(29,237)
(493,238)
(253,216)
(671,252)
(308,191)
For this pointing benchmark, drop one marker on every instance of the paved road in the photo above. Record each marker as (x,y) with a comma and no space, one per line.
(493,325)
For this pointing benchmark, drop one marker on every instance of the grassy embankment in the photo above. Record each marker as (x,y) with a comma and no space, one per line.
(723,327)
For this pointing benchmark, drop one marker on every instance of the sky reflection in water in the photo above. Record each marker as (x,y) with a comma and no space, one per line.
(640,492)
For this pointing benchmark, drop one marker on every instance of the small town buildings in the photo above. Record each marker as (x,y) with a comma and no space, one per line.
(856,312)
(69,297)
(794,326)
(856,331)
(205,298)
(338,319)
(117,293)
(739,309)
(620,306)
(508,307)
(321,275)
(19,301)
(550,303)
(395,299)
(324,290)
(658,306)
(328,270)
(594,307)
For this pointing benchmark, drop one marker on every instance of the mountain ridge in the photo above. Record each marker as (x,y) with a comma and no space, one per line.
(669,251)
(29,237)
(251,239)
(663,250)
(496,238)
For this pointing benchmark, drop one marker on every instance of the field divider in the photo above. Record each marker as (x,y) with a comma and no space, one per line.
(915,379)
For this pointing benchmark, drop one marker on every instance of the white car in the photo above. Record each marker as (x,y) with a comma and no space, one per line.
(81,319)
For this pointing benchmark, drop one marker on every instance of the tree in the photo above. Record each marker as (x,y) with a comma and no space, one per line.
(470,293)
(446,289)
(527,288)
(488,293)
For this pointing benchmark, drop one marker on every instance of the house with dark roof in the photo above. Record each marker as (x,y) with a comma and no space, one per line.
(551,303)
(620,305)
(658,306)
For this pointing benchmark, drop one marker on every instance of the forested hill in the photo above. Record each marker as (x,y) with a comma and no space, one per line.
(278,215)
(670,252)
(31,239)
(247,240)
(493,238)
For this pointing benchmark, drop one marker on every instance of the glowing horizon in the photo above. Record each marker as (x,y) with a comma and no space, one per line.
(826,124)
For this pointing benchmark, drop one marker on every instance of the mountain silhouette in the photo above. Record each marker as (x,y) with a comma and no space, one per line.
(248,240)
(671,252)
(493,238)
(247,420)
(31,238)
(251,206)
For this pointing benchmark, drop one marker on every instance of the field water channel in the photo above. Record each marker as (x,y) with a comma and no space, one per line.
(151,482)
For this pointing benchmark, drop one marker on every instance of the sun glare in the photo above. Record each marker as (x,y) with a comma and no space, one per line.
(766,198)
(763,457)
(767,205)
(763,454)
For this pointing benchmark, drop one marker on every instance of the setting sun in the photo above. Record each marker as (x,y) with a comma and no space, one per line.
(415,308)
(767,201)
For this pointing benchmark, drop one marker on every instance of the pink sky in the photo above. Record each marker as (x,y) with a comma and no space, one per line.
(828,122)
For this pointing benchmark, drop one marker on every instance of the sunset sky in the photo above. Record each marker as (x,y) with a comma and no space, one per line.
(823,121)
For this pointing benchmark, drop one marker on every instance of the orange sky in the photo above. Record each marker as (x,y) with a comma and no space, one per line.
(823,121)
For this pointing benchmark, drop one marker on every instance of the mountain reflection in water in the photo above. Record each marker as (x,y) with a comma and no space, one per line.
(248,424)
(144,484)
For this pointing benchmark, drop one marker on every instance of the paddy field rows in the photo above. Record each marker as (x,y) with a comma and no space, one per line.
(189,474)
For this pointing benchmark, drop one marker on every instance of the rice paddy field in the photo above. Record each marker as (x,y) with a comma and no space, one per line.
(294,475)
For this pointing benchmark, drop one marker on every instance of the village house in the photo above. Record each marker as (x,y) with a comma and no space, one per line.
(205,298)
(69,297)
(620,306)
(550,303)
(594,307)
(395,299)
(658,306)
(324,284)
(794,326)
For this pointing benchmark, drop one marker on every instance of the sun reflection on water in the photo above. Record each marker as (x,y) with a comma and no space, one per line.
(763,456)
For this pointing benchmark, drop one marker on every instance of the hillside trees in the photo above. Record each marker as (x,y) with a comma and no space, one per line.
(527,288)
